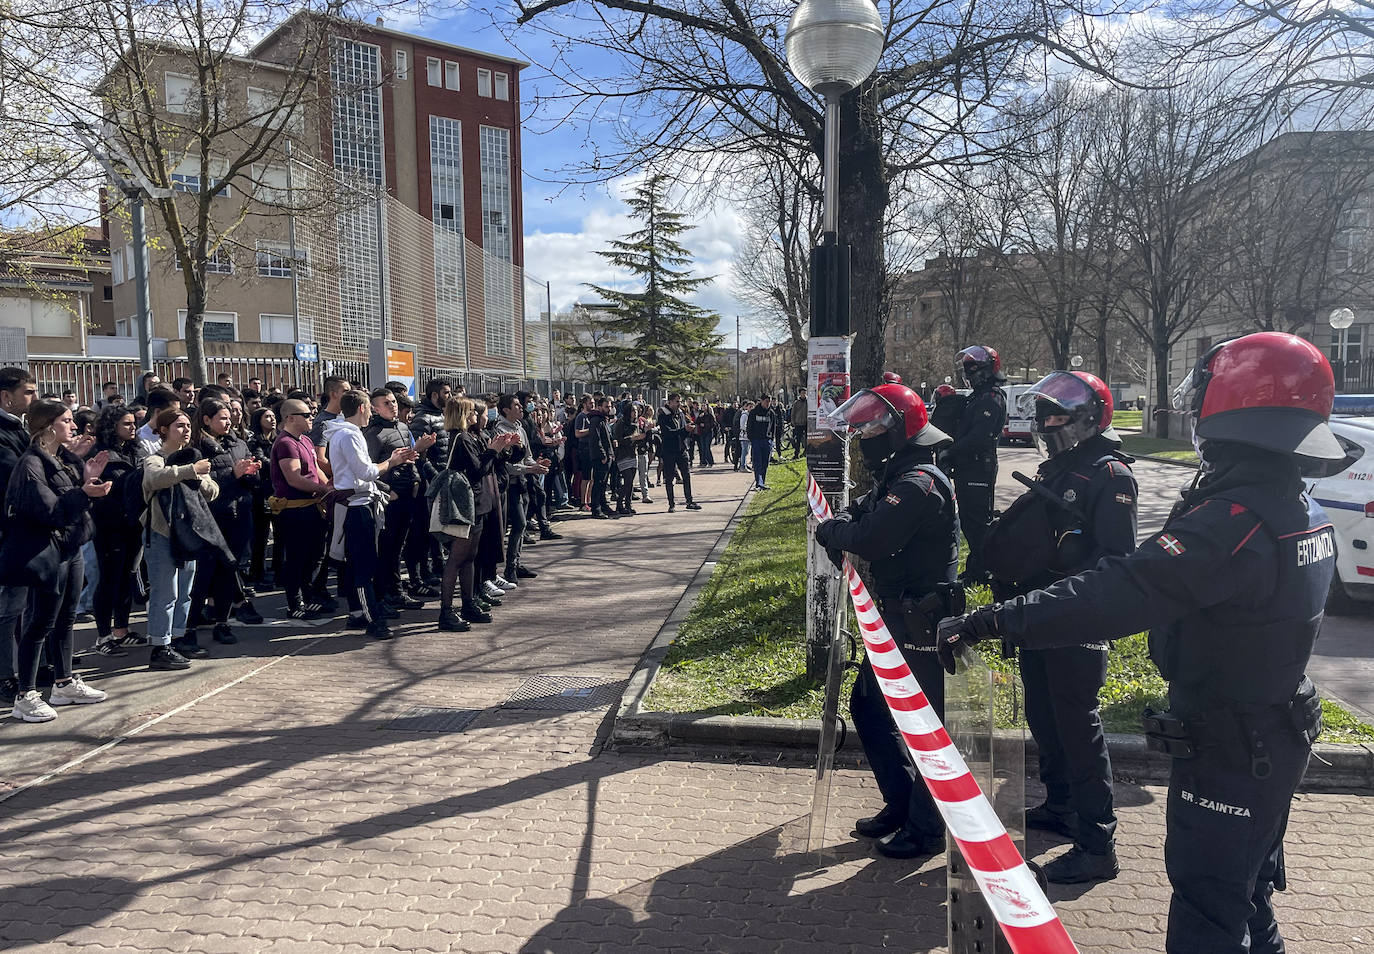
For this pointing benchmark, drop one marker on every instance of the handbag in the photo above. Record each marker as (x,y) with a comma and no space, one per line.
(443,507)
(29,559)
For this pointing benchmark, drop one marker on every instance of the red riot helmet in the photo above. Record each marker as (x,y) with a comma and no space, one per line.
(978,364)
(1269,390)
(944,391)
(1083,397)
(892,411)
(891,377)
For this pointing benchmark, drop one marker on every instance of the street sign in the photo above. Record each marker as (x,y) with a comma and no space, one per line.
(307,351)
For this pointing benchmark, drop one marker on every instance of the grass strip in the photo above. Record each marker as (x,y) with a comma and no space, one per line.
(742,648)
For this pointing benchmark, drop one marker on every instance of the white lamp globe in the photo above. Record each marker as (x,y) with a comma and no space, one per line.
(833,45)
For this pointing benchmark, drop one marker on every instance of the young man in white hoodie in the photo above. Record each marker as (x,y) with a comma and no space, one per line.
(354,472)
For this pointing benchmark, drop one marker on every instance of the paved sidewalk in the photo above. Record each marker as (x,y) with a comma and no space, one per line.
(284,815)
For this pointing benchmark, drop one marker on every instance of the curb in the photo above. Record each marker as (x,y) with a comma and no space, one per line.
(636,728)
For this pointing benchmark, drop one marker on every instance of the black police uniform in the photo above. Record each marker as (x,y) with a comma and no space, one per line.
(908,530)
(974,461)
(1233,590)
(1034,544)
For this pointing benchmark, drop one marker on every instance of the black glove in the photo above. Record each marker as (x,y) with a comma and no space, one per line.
(977,626)
(836,557)
(824,528)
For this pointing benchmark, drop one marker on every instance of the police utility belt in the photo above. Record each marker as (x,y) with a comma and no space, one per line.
(1235,727)
(922,614)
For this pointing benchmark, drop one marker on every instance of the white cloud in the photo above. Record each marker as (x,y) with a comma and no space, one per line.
(567,259)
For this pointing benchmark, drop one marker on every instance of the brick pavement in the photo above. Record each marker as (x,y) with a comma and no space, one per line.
(282,815)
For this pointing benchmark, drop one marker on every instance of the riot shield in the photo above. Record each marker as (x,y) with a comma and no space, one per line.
(830,724)
(977,697)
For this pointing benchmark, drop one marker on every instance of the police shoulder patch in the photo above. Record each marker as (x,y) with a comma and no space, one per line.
(1170,544)
(1070,495)
(1125,499)
(892,499)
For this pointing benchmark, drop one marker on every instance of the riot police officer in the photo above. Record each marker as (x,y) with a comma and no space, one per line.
(1082,508)
(945,414)
(1232,591)
(908,530)
(973,457)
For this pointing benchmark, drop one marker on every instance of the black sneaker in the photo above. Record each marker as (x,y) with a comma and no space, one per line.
(223,634)
(672,508)
(379,630)
(248,614)
(423,591)
(166,658)
(525,573)
(475,614)
(600,515)
(1046,818)
(451,622)
(881,825)
(908,844)
(9,688)
(189,647)
(326,603)
(109,646)
(402,601)
(547,534)
(357,621)
(388,612)
(306,613)
(693,506)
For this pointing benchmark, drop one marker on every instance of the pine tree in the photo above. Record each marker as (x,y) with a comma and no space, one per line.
(666,339)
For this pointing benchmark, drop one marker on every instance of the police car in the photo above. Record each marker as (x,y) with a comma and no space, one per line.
(1017,430)
(1348,499)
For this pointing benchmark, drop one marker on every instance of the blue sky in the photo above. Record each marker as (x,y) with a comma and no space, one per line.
(564,225)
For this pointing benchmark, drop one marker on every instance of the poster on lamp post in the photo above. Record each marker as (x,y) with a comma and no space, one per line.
(827,387)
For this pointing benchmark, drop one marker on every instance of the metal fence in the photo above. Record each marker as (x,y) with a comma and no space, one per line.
(87,376)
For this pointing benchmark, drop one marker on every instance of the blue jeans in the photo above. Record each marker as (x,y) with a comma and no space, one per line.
(87,601)
(169,591)
(761,450)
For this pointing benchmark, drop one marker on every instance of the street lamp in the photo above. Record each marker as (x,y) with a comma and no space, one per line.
(1340,319)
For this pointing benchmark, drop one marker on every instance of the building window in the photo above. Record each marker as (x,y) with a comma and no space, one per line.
(502,86)
(355,76)
(402,71)
(217,325)
(186,177)
(274,260)
(271,184)
(181,93)
(484,82)
(117,266)
(446,185)
(106,293)
(499,276)
(450,74)
(38,317)
(278,329)
(434,71)
(218,262)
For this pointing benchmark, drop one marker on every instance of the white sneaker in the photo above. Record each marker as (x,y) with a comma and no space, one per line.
(76,693)
(30,707)
(504,583)
(492,591)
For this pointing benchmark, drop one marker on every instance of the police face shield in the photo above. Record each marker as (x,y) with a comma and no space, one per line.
(865,414)
(1065,411)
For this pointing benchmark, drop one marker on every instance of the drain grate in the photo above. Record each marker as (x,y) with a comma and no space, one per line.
(433,719)
(565,693)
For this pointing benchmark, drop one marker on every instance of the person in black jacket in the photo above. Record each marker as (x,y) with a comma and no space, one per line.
(475,456)
(759,429)
(118,526)
(973,457)
(262,434)
(1232,592)
(673,438)
(385,434)
(1085,510)
(428,418)
(48,519)
(623,437)
(236,473)
(18,391)
(908,530)
(602,450)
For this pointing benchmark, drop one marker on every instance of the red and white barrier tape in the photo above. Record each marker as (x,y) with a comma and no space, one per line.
(1026,917)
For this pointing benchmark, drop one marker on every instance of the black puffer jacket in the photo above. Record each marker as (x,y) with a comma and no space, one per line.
(383,437)
(44,497)
(428,419)
(111,512)
(235,493)
(14,440)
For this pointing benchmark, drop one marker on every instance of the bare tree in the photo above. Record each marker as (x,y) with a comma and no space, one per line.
(772,269)
(715,77)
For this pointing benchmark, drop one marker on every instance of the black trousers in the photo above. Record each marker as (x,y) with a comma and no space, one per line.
(391,541)
(975,493)
(677,467)
(1224,845)
(360,564)
(901,785)
(516,503)
(1063,712)
(300,541)
(49,627)
(116,555)
(601,473)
